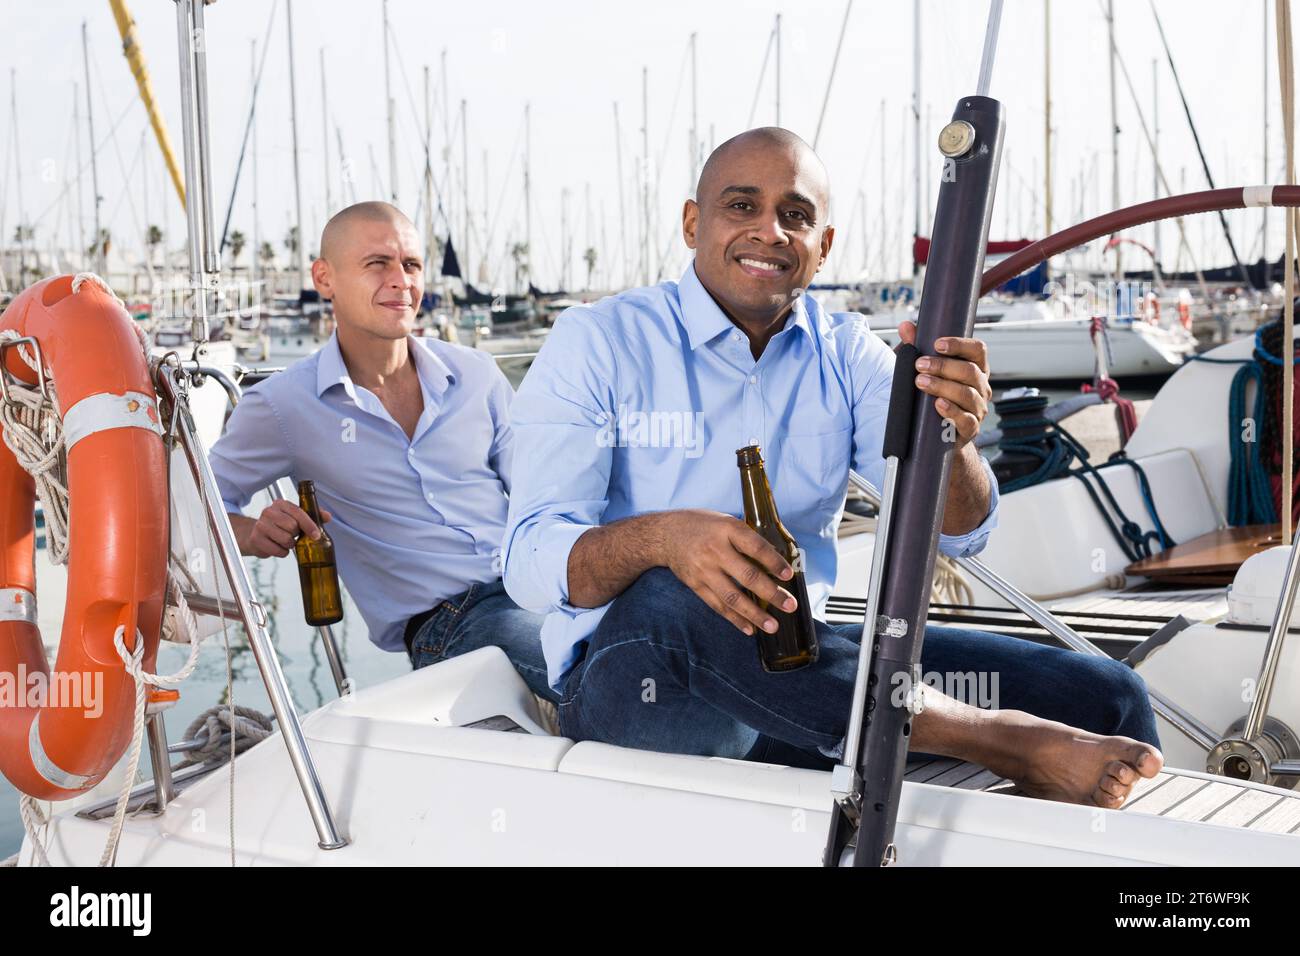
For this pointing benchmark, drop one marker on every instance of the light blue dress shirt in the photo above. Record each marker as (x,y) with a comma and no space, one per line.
(638,403)
(413,521)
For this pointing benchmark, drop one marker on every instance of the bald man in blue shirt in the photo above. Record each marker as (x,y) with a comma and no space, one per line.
(624,525)
(408,442)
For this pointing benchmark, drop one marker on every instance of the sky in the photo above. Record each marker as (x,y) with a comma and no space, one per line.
(574,62)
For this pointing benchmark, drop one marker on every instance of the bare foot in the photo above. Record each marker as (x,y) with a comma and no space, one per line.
(1058,762)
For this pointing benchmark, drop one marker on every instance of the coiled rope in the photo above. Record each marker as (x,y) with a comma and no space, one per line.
(1057,451)
(33,431)
(1255,440)
(249,727)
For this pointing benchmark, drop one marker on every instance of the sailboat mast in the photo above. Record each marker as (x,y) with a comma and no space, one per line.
(487,221)
(464,181)
(695,133)
(916,131)
(18,170)
(645,175)
(388,106)
(883,193)
(76,135)
(866,245)
(604,244)
(777,29)
(622,207)
(447,192)
(564,238)
(300,253)
(1047,117)
(528,192)
(166,226)
(428,175)
(1114,132)
(204,257)
(1267,177)
(1155,156)
(1200,151)
(347,175)
(98,262)
(144,204)
(929,206)
(325,135)
(257,235)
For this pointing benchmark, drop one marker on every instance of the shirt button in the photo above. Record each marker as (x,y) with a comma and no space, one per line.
(429,497)
(753,440)
(753,380)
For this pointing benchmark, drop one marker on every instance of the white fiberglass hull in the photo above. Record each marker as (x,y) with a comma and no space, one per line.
(1045,349)
(407,789)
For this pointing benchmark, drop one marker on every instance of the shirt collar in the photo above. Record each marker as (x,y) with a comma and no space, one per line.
(705,320)
(433,373)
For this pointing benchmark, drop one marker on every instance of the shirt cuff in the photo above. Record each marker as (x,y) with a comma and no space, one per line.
(538,580)
(972,542)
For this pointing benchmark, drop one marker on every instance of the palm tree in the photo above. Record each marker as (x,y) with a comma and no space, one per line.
(237,242)
(22,236)
(519,253)
(267,254)
(153,238)
(589,257)
(101,245)
(291,240)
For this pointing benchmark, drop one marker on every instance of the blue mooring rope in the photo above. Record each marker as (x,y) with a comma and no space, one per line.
(1057,449)
(1250,490)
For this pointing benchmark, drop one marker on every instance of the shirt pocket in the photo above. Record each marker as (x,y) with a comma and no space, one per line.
(818,466)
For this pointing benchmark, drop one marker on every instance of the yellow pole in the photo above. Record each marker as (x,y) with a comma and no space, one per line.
(126,27)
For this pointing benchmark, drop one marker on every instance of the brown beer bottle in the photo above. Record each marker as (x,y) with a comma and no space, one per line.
(794,644)
(321,601)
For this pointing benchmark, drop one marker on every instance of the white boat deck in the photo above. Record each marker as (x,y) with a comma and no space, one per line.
(1176,795)
(1196,605)
(1115,620)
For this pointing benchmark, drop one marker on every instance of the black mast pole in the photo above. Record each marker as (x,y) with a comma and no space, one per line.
(918,448)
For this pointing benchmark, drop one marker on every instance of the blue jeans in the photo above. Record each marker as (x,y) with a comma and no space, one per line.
(482,616)
(665,672)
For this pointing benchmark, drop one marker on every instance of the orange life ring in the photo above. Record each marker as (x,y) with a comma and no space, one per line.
(59,744)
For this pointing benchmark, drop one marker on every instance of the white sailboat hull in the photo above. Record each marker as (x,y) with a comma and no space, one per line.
(1038,350)
(407,789)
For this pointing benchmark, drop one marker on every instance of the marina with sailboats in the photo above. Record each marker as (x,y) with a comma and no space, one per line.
(1125,404)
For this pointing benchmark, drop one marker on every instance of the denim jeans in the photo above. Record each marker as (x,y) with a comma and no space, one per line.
(482,616)
(664,672)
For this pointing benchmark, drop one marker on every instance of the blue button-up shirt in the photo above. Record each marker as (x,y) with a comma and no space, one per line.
(414,521)
(638,403)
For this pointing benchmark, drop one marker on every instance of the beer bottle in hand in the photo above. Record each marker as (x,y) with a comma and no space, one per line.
(794,644)
(321,601)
